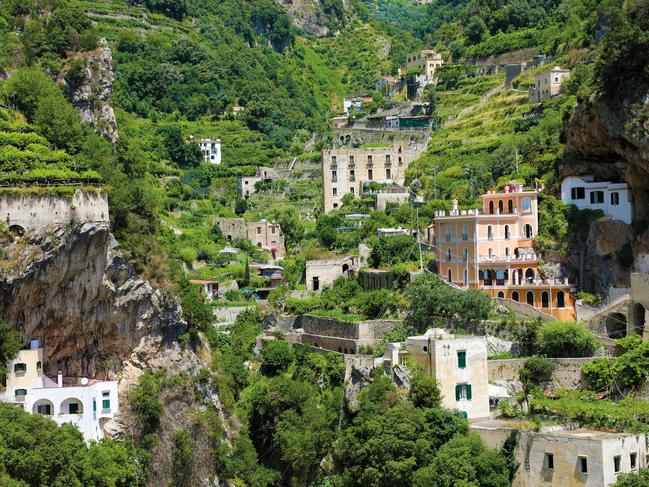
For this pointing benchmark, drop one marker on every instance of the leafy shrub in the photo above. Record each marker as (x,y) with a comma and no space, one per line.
(276,357)
(565,339)
(424,391)
(536,370)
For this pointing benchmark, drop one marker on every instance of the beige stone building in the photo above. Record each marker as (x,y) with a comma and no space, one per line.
(264,234)
(547,84)
(459,365)
(562,457)
(428,61)
(345,170)
(321,273)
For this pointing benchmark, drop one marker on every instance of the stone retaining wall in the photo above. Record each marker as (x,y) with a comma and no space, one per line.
(32,211)
(566,375)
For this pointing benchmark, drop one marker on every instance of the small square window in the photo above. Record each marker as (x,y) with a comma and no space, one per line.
(334,191)
(549,461)
(633,460)
(617,460)
(583,464)
(20,368)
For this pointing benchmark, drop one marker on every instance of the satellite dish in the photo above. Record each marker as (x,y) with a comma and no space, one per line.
(84,381)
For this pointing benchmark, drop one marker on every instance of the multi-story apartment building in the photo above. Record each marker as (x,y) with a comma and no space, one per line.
(211,150)
(491,249)
(459,365)
(614,199)
(548,84)
(345,170)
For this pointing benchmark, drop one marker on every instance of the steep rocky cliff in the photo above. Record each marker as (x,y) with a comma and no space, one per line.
(97,317)
(310,17)
(71,288)
(92,90)
(609,138)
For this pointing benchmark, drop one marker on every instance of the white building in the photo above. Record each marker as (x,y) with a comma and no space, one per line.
(558,457)
(614,199)
(459,365)
(391,232)
(211,149)
(88,404)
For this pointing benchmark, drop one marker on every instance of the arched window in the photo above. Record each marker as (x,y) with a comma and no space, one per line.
(466,255)
(450,276)
(501,294)
(491,207)
(515,296)
(448,234)
(527,205)
(490,232)
(506,232)
(485,275)
(500,275)
(545,300)
(527,231)
(510,206)
(561,299)
(465,233)
(530,298)
(506,251)
(448,255)
(529,275)
(501,207)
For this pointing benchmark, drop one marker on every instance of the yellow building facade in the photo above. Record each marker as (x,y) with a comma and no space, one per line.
(491,248)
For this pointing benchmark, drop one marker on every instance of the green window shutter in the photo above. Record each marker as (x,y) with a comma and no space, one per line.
(94,405)
(105,404)
(468,391)
(458,392)
(461,360)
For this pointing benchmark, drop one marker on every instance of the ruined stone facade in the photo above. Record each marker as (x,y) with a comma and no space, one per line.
(264,234)
(25,211)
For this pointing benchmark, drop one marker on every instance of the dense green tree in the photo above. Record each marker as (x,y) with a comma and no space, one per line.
(565,339)
(465,460)
(394,250)
(34,450)
(276,357)
(424,391)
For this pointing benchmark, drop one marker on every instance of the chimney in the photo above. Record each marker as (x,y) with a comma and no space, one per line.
(59,379)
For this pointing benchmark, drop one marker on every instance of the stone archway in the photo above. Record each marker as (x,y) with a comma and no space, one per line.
(17,230)
(615,325)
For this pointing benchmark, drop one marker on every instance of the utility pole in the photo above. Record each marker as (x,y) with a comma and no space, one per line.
(421,258)
(516,159)
(435,169)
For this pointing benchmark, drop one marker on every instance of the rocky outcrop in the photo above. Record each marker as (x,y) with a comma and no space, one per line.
(70,287)
(603,261)
(97,317)
(309,16)
(358,374)
(610,140)
(93,90)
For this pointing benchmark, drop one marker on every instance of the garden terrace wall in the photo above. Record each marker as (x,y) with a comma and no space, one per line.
(566,375)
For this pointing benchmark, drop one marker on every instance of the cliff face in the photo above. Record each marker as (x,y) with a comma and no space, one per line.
(610,139)
(309,16)
(69,287)
(93,96)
